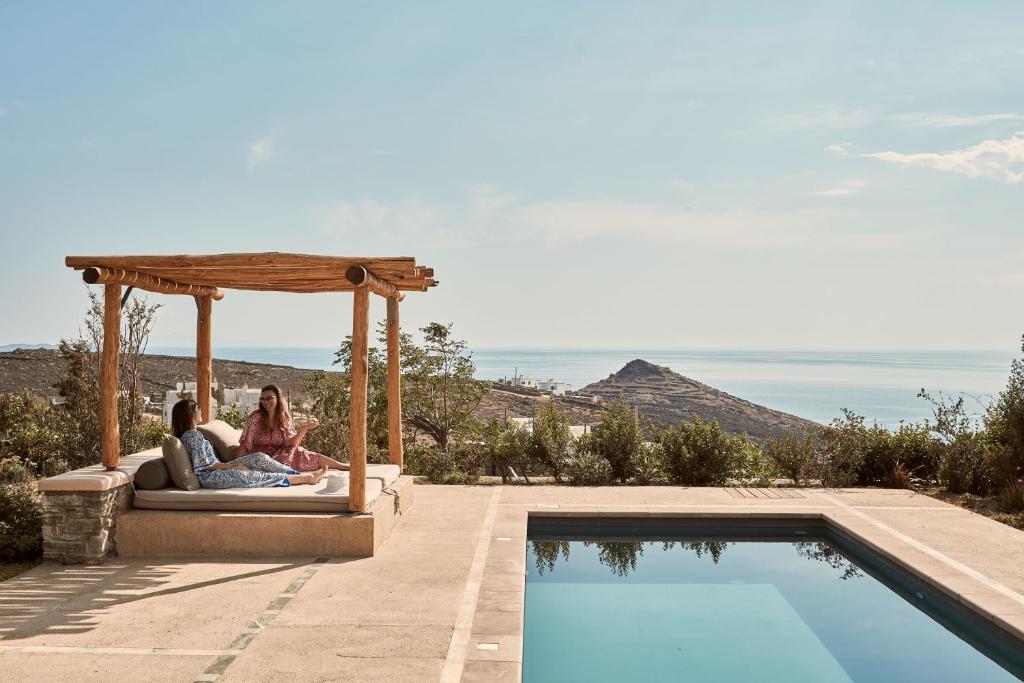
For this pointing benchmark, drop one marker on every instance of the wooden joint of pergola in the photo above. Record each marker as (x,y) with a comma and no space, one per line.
(202,277)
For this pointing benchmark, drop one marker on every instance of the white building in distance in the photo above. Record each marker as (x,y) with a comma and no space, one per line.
(554,387)
(524,381)
(246,399)
(172,396)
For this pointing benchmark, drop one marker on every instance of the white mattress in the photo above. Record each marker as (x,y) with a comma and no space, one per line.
(330,495)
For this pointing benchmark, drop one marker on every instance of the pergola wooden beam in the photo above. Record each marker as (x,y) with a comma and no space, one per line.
(106,276)
(261,260)
(361,277)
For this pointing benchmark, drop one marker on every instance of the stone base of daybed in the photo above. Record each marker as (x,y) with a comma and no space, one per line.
(204,533)
(84,510)
(210,534)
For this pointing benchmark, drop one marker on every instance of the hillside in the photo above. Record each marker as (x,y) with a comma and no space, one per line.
(39,369)
(659,394)
(668,398)
(499,404)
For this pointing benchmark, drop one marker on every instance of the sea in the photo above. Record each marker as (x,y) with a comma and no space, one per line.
(883,386)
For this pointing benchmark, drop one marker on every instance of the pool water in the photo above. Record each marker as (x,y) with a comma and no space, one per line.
(777,605)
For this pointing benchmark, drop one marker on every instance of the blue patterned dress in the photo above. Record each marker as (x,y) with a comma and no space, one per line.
(261,470)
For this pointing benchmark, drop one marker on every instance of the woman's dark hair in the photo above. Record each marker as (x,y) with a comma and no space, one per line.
(182,415)
(281,415)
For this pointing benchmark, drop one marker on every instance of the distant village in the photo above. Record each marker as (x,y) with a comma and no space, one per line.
(549,386)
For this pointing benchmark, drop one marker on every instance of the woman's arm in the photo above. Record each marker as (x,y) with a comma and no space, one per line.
(295,438)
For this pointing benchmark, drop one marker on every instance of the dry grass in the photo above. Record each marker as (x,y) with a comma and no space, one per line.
(983,505)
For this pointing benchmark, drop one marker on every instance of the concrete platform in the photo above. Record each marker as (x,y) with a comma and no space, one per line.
(200,533)
(449,579)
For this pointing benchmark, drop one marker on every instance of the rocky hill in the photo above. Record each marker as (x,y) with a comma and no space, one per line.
(668,398)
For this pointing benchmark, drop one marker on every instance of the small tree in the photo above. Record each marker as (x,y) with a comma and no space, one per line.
(552,439)
(442,392)
(843,446)
(326,398)
(507,446)
(964,464)
(619,439)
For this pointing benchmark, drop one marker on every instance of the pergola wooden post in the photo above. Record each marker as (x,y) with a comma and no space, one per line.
(110,431)
(395,454)
(204,356)
(357,400)
(202,276)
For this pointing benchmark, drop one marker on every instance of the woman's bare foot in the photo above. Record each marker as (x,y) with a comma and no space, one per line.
(318,475)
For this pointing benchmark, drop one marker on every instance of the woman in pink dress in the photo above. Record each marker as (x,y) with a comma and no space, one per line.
(270,430)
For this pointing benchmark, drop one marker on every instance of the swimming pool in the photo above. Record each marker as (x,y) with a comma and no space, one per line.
(770,600)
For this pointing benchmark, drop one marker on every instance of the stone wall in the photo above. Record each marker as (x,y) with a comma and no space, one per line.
(78,526)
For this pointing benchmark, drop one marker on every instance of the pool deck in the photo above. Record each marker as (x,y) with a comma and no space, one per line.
(441,600)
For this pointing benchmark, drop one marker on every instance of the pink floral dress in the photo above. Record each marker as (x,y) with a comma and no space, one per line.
(275,444)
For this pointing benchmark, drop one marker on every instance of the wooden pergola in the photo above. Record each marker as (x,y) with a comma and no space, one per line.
(203,277)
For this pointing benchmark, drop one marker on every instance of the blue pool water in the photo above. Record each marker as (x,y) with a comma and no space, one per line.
(786,607)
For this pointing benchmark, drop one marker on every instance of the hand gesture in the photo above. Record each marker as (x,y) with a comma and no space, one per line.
(313,423)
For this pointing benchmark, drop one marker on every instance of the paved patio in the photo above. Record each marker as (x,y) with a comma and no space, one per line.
(448,580)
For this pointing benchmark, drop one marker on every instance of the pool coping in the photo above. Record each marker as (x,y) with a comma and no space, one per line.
(496,635)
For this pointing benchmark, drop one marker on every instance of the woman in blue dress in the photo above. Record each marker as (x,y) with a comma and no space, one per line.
(250,471)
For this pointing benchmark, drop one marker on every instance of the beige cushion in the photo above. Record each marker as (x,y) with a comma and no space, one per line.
(330,495)
(179,464)
(223,437)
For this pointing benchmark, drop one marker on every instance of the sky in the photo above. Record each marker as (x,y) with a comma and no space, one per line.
(801,175)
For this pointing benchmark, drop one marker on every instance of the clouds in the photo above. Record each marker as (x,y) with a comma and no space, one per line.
(834,117)
(826,117)
(996,159)
(485,216)
(846,189)
(260,152)
(933,120)
(840,149)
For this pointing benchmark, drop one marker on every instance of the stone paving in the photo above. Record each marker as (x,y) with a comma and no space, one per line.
(442,599)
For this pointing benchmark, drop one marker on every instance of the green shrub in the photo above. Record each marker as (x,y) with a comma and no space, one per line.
(755,467)
(700,453)
(795,457)
(584,467)
(21,514)
(894,458)
(964,466)
(1010,497)
(1004,420)
(233,416)
(460,464)
(647,467)
(843,446)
